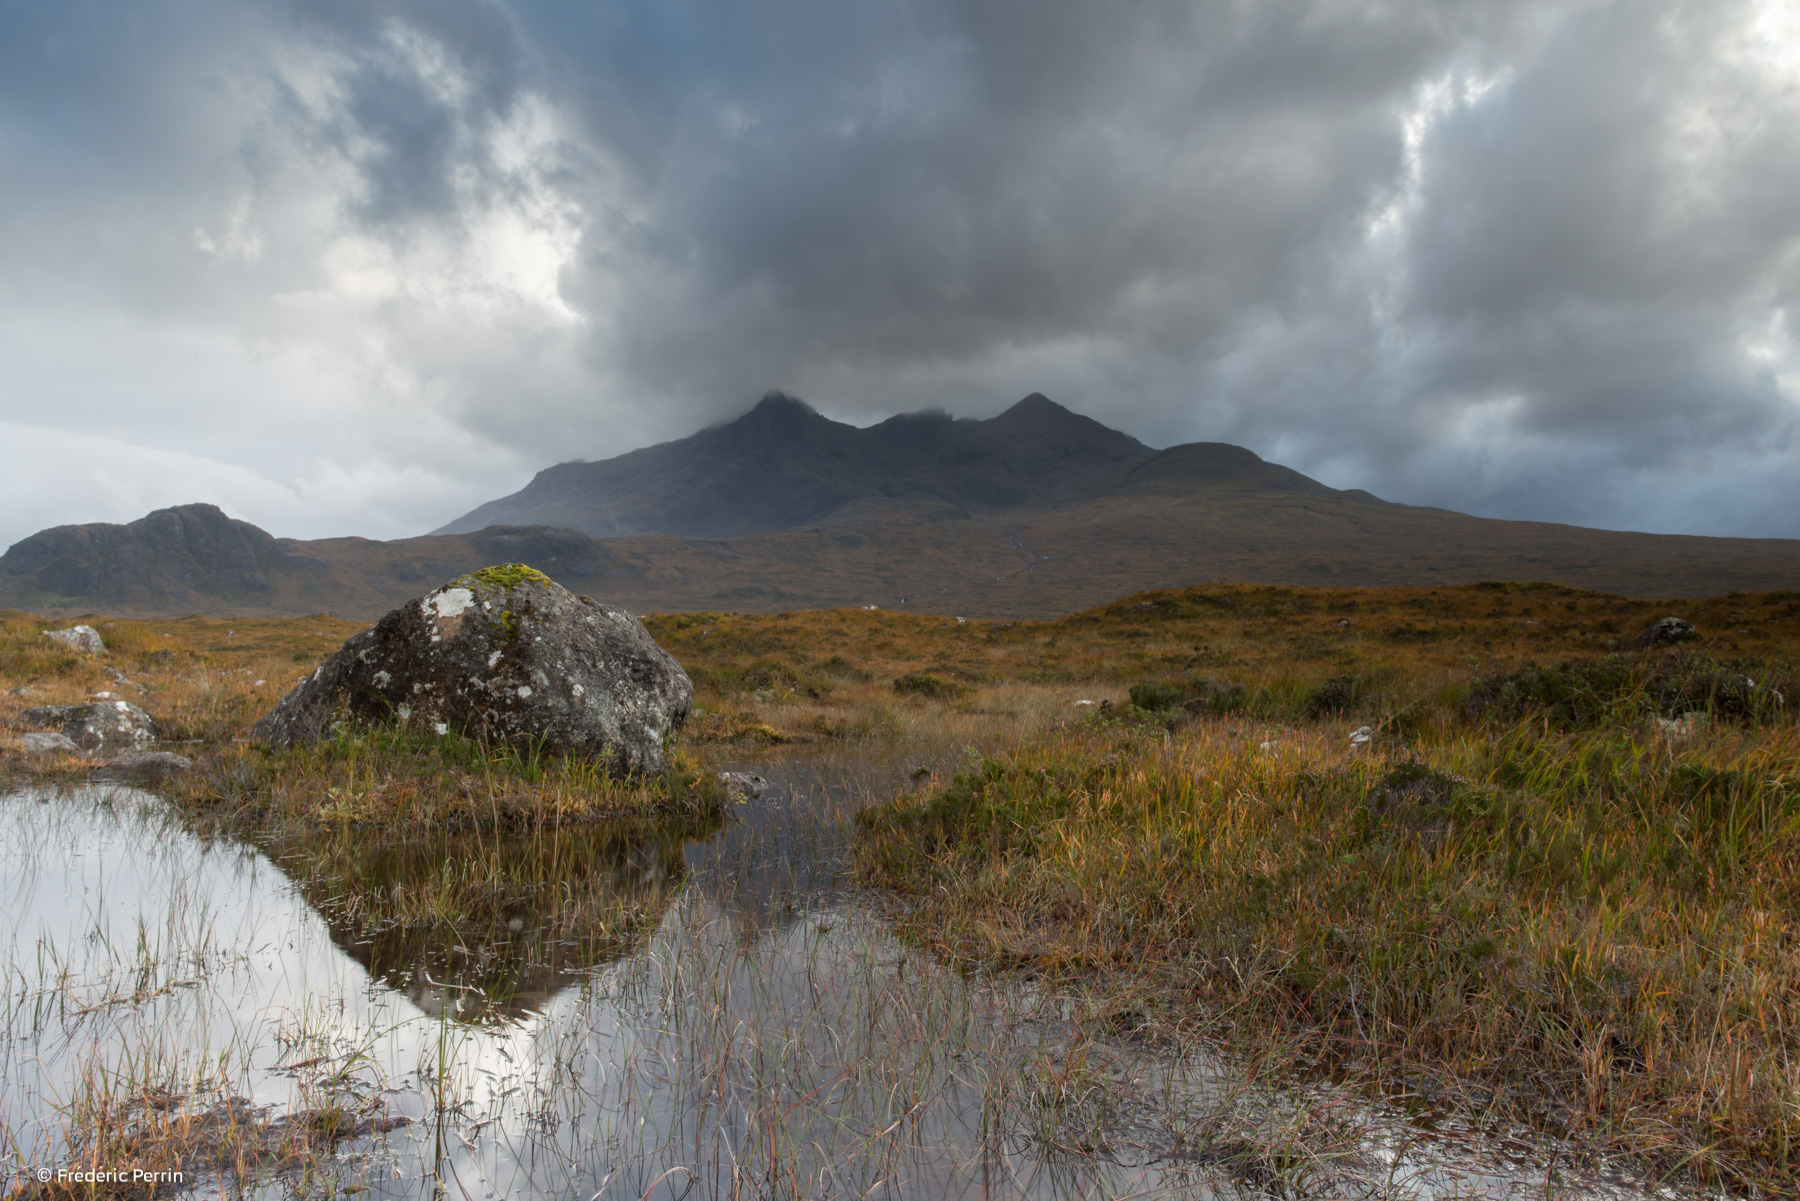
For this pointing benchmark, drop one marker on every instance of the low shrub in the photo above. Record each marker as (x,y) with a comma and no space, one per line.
(924,683)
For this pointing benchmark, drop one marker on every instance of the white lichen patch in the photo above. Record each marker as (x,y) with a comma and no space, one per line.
(493,658)
(524,691)
(382,679)
(578,690)
(451,602)
(442,728)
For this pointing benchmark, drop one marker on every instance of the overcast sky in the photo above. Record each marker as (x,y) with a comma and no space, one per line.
(353,266)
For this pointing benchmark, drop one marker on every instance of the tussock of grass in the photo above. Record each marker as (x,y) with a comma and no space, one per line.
(924,683)
(202,1135)
(405,779)
(1597,924)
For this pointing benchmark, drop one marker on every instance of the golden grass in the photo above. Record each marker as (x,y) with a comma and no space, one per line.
(1577,908)
(1559,885)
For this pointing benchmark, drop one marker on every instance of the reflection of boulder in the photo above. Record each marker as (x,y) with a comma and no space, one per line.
(499,925)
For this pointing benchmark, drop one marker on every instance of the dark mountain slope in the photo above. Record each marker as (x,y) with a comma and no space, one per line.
(1033,513)
(174,556)
(195,559)
(782,466)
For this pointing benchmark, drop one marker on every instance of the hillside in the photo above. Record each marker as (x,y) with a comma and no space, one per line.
(782,466)
(1034,513)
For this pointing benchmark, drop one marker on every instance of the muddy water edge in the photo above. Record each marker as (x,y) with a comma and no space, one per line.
(630,1009)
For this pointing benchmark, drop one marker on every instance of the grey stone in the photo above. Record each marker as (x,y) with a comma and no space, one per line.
(118,677)
(79,638)
(1361,736)
(99,726)
(151,765)
(1665,630)
(743,784)
(48,744)
(507,655)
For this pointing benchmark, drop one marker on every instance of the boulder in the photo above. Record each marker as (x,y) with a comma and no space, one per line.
(48,744)
(103,725)
(79,638)
(503,654)
(746,785)
(152,766)
(1665,630)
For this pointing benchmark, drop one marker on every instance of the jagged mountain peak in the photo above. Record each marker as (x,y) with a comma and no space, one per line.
(780,408)
(783,465)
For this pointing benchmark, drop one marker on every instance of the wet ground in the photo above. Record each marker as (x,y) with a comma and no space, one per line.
(635,1011)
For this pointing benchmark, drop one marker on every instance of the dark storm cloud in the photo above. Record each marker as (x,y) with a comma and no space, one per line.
(1528,259)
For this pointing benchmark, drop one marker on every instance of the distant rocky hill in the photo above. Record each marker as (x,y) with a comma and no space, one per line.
(1036,512)
(782,466)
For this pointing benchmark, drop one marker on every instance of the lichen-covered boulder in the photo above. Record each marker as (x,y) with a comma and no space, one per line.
(1666,630)
(103,725)
(48,744)
(85,639)
(505,654)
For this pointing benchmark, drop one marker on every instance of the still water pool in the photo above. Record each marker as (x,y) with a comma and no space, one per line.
(635,1011)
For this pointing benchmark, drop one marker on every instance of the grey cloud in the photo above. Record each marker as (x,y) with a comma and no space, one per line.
(1534,260)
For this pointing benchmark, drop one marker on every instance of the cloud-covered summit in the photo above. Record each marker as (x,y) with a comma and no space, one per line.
(355,267)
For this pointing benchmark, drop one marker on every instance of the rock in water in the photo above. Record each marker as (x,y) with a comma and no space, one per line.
(48,744)
(745,784)
(79,638)
(154,766)
(505,654)
(114,725)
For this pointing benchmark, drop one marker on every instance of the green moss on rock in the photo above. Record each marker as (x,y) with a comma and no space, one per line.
(506,576)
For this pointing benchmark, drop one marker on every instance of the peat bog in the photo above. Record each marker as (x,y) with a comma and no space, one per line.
(1105,906)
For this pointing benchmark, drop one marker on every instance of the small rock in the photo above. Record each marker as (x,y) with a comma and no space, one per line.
(22,690)
(1361,736)
(48,744)
(104,724)
(118,677)
(744,784)
(151,765)
(1667,629)
(79,638)
(1679,728)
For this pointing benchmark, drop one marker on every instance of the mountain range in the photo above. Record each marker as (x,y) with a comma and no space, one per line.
(1035,512)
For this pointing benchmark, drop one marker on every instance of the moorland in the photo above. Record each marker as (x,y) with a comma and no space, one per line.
(1473,849)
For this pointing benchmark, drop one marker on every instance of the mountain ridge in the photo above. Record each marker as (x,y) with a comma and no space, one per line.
(783,465)
(1033,513)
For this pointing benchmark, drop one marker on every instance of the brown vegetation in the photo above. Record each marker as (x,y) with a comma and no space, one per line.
(1558,884)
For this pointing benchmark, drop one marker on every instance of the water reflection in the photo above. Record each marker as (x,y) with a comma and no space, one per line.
(484,928)
(629,1011)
